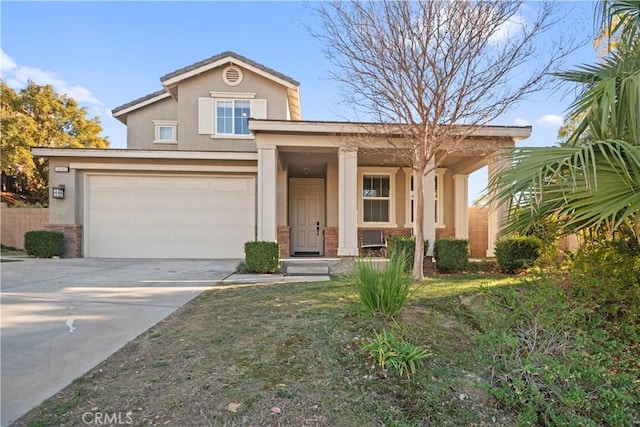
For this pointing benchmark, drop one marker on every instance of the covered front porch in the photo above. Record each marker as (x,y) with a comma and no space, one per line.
(317,191)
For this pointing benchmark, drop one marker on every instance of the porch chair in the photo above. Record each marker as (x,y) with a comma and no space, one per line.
(373,240)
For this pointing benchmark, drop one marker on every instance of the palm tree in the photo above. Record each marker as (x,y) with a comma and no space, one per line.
(591,183)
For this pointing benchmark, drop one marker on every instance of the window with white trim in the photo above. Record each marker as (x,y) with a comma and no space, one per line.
(226,115)
(166,131)
(376,196)
(232,116)
(437,197)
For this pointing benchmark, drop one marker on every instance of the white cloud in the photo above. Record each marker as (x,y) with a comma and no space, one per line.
(509,28)
(551,120)
(17,76)
(6,63)
(521,122)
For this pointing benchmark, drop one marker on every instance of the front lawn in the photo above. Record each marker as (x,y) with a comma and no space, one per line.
(292,354)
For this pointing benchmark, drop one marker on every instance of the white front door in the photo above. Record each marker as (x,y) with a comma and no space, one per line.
(306,214)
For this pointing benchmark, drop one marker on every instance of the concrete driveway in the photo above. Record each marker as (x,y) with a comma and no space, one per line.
(62,317)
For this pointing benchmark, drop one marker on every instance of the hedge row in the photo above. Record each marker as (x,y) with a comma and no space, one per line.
(44,244)
(517,253)
(262,257)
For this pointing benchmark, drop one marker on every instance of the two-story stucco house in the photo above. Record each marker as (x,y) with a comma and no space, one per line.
(220,156)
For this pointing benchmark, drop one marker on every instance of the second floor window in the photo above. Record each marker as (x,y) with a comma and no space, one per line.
(225,115)
(165,131)
(232,117)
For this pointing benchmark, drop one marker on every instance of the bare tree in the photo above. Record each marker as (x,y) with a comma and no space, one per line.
(437,70)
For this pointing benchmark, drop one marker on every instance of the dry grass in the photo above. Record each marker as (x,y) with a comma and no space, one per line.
(296,347)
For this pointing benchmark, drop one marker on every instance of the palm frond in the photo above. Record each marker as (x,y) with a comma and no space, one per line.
(621,19)
(590,186)
(609,102)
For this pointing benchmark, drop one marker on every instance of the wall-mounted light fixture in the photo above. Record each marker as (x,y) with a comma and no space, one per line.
(58,192)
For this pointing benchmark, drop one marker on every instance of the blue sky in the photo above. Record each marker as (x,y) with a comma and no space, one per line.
(105,54)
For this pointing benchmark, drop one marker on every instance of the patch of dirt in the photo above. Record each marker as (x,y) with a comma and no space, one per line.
(232,355)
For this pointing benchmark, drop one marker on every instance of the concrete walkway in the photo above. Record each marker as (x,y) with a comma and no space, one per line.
(60,318)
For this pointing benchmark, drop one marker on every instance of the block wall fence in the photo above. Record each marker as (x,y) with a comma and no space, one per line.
(17,221)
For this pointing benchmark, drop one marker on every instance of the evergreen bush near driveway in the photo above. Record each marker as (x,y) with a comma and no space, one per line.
(262,257)
(516,253)
(451,255)
(44,244)
(383,290)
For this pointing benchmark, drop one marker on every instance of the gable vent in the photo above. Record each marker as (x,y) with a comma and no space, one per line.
(232,75)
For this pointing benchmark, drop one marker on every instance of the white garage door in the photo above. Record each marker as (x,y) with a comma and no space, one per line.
(143,216)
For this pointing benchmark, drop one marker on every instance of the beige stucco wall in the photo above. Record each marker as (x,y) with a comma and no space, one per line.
(332,193)
(200,87)
(140,127)
(71,209)
(141,130)
(63,211)
(282,194)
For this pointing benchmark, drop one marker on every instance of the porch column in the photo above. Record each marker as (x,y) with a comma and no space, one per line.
(460,201)
(267,197)
(429,191)
(348,203)
(497,216)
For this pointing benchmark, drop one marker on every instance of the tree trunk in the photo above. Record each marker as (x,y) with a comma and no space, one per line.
(418,188)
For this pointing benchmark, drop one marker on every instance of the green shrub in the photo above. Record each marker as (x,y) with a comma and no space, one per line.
(516,253)
(608,276)
(398,355)
(243,268)
(44,244)
(451,255)
(262,257)
(383,289)
(406,246)
(482,266)
(22,204)
(552,360)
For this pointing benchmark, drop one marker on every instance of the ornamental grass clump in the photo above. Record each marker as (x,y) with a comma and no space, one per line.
(395,354)
(385,289)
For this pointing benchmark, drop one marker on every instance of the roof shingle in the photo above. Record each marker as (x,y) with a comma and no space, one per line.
(223,55)
(201,64)
(137,101)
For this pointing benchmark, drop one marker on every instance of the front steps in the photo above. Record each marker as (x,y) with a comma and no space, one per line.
(310,266)
(316,266)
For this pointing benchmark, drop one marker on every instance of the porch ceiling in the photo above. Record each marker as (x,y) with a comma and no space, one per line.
(307,163)
(463,163)
(314,163)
